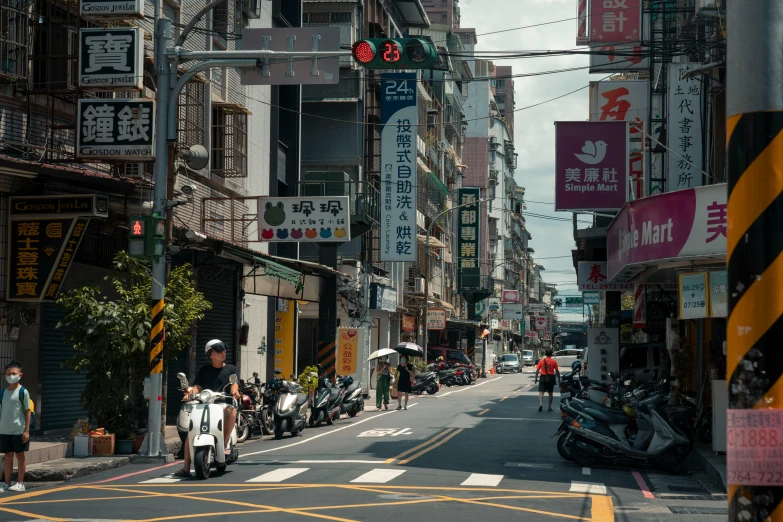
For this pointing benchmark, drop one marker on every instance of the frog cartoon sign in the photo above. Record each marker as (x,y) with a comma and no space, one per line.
(322,219)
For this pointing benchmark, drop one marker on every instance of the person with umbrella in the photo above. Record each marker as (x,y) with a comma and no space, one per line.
(404,380)
(383,373)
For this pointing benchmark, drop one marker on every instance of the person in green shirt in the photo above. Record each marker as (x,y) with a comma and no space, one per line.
(15,415)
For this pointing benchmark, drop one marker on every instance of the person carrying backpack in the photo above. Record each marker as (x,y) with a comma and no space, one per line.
(15,424)
(548,369)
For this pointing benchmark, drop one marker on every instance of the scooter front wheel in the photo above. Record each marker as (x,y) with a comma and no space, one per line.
(267,422)
(202,462)
(432,390)
(243,428)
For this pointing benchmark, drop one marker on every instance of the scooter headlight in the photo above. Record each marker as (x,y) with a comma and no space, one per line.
(205,396)
(187,407)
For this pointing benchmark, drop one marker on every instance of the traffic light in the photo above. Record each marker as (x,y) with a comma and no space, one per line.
(395,53)
(147,237)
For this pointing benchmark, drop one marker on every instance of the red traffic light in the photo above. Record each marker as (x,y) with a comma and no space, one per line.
(363,51)
(137,228)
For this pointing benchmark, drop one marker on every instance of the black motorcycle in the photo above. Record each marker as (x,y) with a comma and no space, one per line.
(353,401)
(326,403)
(426,382)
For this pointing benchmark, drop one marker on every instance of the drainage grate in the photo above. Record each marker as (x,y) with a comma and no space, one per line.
(685,489)
(720,498)
(678,510)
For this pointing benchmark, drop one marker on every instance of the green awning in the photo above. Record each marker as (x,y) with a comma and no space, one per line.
(438,183)
(271,269)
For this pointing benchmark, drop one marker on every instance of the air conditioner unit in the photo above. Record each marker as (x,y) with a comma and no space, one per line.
(419,285)
(251,8)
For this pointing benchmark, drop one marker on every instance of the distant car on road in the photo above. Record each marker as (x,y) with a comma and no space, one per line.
(527,358)
(565,358)
(509,363)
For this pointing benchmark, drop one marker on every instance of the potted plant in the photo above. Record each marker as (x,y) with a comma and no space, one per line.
(308,380)
(124,432)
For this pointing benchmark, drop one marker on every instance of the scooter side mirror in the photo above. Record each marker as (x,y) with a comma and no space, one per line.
(183,380)
(233,378)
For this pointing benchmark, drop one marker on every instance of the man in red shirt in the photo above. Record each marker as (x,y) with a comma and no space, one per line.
(548,369)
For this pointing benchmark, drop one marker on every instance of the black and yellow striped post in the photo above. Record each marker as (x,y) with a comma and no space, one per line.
(156,337)
(755,260)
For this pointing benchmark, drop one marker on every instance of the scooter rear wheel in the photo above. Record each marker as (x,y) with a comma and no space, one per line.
(583,457)
(432,390)
(201,461)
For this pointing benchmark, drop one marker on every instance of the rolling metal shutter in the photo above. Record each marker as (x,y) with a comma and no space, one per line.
(218,283)
(61,388)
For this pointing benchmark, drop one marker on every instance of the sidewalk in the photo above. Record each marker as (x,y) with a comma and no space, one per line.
(714,465)
(59,464)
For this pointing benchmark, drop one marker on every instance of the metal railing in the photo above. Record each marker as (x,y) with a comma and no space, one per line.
(364,199)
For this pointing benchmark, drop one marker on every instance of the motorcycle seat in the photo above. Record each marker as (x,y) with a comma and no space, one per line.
(352,388)
(333,393)
(607,415)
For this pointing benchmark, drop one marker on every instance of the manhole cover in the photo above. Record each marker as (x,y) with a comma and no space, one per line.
(698,511)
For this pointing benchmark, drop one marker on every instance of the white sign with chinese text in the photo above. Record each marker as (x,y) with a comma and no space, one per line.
(591,276)
(111,58)
(436,319)
(94,9)
(116,129)
(719,296)
(317,219)
(684,132)
(513,311)
(603,352)
(622,100)
(399,184)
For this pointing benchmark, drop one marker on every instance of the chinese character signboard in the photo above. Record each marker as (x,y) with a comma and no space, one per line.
(510,296)
(694,303)
(349,342)
(94,9)
(468,238)
(111,58)
(615,21)
(408,323)
(603,352)
(719,297)
(591,276)
(684,129)
(116,129)
(398,159)
(318,219)
(622,100)
(611,58)
(681,224)
(591,165)
(513,311)
(573,302)
(285,326)
(436,319)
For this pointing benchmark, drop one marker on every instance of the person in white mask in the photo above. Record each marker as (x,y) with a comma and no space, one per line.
(15,417)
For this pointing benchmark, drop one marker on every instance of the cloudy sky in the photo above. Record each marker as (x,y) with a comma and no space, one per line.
(534,130)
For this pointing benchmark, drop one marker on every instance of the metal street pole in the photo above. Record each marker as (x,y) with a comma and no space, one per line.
(427,265)
(754,75)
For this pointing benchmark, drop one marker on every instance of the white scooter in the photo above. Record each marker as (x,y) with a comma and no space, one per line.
(205,429)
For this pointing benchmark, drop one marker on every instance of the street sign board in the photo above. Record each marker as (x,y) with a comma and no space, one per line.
(116,129)
(111,58)
(468,239)
(573,302)
(316,219)
(96,9)
(513,311)
(436,319)
(399,188)
(294,70)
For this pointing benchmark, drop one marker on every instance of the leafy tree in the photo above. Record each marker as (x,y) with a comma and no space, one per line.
(110,337)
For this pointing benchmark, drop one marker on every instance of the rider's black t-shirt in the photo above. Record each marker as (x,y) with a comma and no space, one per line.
(215,379)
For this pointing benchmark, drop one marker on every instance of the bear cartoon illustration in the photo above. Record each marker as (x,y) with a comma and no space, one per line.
(311,233)
(282,233)
(274,215)
(339,232)
(267,233)
(326,233)
(296,233)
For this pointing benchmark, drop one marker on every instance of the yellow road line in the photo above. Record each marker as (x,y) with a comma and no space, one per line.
(432,447)
(8,498)
(602,509)
(204,515)
(31,515)
(479,414)
(429,441)
(515,508)
(503,399)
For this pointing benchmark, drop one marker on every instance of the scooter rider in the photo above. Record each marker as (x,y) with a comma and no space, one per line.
(214,376)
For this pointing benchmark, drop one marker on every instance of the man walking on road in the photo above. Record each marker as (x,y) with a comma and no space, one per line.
(548,368)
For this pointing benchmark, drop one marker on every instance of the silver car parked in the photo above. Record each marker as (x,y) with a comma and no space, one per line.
(509,363)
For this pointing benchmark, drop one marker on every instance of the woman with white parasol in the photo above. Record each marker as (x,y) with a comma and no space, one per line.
(383,376)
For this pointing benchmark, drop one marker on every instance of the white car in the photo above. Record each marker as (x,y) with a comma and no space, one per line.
(527,358)
(565,358)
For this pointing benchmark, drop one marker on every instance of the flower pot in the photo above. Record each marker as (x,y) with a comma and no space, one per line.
(137,443)
(125,446)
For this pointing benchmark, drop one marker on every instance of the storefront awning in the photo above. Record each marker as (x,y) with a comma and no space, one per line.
(434,242)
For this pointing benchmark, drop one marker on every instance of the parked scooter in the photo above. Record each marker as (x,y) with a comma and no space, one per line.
(290,412)
(425,382)
(205,430)
(326,403)
(353,401)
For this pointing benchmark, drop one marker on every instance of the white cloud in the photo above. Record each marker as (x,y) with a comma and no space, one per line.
(534,131)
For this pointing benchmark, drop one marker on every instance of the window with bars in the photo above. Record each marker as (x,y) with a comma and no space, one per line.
(14,35)
(191,115)
(229,142)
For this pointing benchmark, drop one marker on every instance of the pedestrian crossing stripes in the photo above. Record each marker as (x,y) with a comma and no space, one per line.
(374,476)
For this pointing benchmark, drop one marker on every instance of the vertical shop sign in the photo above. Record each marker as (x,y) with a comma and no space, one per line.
(684,129)
(399,188)
(603,347)
(615,21)
(111,58)
(468,239)
(348,342)
(408,323)
(285,318)
(719,297)
(116,129)
(694,303)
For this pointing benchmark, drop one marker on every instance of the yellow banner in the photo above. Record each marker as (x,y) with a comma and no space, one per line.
(285,316)
(347,350)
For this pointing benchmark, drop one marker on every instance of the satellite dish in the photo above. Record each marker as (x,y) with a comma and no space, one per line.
(196,157)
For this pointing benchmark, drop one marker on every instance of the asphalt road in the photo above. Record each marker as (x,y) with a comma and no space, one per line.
(479,452)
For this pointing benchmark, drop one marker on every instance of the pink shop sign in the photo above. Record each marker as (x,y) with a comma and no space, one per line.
(682,224)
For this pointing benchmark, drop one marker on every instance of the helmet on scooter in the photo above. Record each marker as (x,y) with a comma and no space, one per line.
(440,358)
(215,344)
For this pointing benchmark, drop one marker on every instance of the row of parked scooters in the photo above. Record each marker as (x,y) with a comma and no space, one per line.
(634,424)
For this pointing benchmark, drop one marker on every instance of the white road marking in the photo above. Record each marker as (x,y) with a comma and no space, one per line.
(278,475)
(582,487)
(586,471)
(379,476)
(479,479)
(332,432)
(167,479)
(540,419)
(318,462)
(404,431)
(469,387)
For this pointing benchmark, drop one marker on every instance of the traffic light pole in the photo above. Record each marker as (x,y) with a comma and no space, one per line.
(754,364)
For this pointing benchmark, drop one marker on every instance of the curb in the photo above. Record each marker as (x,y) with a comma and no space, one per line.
(709,467)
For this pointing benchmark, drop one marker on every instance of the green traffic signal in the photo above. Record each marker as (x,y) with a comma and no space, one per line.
(395,53)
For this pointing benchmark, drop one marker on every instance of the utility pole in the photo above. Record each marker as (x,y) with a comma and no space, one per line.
(754,75)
